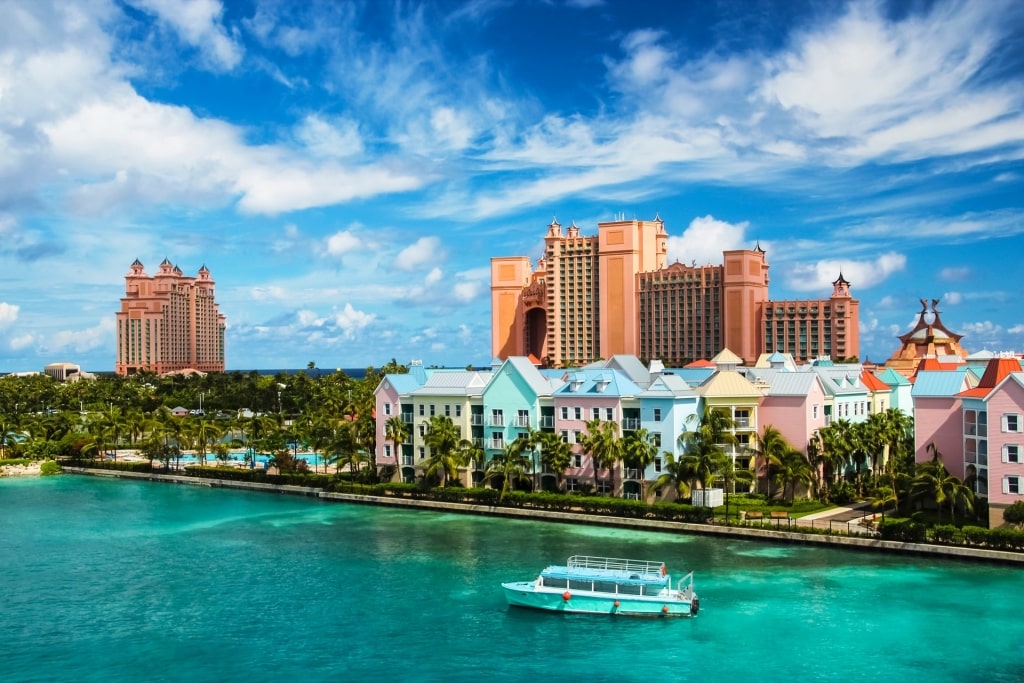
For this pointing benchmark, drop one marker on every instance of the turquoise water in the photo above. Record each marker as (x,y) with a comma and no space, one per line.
(136,581)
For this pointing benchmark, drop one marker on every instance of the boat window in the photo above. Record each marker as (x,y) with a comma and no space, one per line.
(556,583)
(605,586)
(630,588)
(581,585)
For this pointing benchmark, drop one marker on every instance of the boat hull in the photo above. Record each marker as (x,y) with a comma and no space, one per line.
(527,594)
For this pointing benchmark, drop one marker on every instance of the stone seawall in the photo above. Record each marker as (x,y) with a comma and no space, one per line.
(751,533)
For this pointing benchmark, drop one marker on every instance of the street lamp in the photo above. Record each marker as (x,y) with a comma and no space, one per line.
(201,394)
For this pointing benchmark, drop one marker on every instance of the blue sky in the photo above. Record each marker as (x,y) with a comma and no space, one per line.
(347,169)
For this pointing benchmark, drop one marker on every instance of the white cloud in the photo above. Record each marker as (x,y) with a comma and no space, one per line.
(23,341)
(1016,329)
(8,314)
(342,242)
(434,276)
(198,23)
(804,277)
(467,290)
(954,274)
(350,321)
(82,341)
(424,251)
(337,138)
(952,298)
(705,239)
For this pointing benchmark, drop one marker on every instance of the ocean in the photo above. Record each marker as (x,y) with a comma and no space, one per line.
(112,581)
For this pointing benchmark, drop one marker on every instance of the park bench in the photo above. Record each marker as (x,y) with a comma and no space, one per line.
(779,514)
(755,515)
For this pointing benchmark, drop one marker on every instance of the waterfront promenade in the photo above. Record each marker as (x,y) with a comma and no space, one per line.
(836,520)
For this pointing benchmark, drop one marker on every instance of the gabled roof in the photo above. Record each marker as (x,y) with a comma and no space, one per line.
(728,383)
(597,382)
(872,382)
(668,386)
(453,383)
(726,357)
(941,383)
(996,371)
(404,383)
(525,368)
(702,363)
(631,367)
(791,383)
(893,378)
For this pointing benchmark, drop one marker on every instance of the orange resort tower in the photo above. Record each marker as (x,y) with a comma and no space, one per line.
(169,322)
(592,297)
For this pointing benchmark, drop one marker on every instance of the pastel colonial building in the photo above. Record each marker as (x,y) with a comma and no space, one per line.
(169,322)
(516,399)
(993,435)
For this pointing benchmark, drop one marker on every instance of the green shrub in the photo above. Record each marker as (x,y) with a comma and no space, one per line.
(49,467)
(945,533)
(905,530)
(1014,514)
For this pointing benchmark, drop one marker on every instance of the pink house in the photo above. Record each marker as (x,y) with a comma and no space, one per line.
(993,435)
(938,417)
(794,403)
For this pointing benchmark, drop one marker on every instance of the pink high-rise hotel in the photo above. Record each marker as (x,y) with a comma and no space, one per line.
(613,293)
(169,322)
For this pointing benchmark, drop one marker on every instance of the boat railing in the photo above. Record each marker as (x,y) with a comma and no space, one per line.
(615,563)
(685,586)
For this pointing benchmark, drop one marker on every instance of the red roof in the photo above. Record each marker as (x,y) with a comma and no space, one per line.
(700,364)
(873,383)
(995,372)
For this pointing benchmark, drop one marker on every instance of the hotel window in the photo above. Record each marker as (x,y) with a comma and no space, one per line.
(447,410)
(423,430)
(609,414)
(432,413)
(657,464)
(595,413)
(577,413)
(423,452)
(604,487)
(458,410)
(656,440)
(565,435)
(1011,453)
(422,410)
(1011,422)
(387,450)
(814,411)
(577,436)
(577,460)
(1011,485)
(565,412)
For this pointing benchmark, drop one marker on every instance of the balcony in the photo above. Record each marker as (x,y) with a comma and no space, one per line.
(496,421)
(631,473)
(547,421)
(476,419)
(407,460)
(478,441)
(407,418)
(496,444)
(742,422)
(630,424)
(523,421)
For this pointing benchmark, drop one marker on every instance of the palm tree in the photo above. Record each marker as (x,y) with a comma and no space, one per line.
(605,448)
(639,451)
(397,432)
(443,439)
(510,466)
(936,483)
(790,469)
(677,473)
(703,445)
(769,445)
(730,475)
(555,455)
